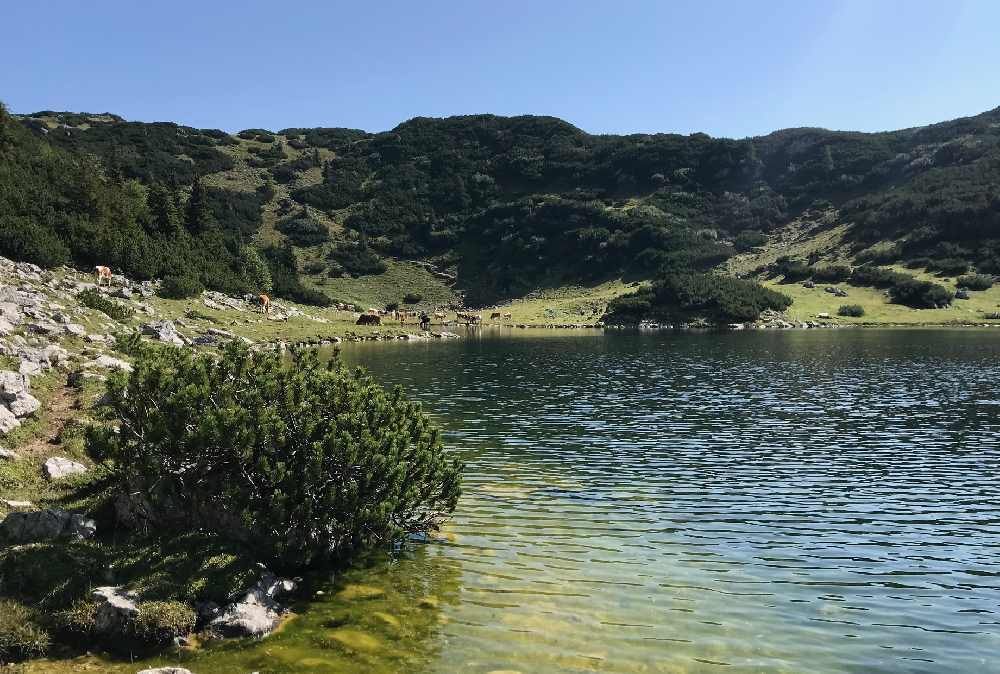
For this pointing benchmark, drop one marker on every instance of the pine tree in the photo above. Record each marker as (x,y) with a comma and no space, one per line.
(197,215)
(163,212)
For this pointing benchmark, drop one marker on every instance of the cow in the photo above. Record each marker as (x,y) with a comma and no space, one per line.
(506,314)
(440,314)
(265,304)
(425,320)
(102,273)
(369,319)
(495,316)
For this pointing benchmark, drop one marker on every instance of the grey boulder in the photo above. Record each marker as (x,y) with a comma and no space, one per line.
(163,331)
(59,467)
(255,612)
(23,404)
(46,525)
(8,421)
(116,609)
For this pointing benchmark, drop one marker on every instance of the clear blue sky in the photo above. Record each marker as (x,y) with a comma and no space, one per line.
(730,68)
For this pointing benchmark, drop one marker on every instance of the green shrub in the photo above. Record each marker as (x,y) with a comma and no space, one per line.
(51,575)
(180,287)
(792,270)
(920,294)
(412,298)
(832,274)
(77,621)
(975,282)
(255,271)
(110,308)
(877,277)
(749,239)
(852,310)
(158,622)
(301,461)
(949,265)
(21,637)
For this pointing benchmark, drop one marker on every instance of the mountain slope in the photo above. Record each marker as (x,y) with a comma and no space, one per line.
(509,205)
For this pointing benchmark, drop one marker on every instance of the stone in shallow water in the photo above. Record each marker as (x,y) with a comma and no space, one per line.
(355,591)
(386,618)
(356,640)
(59,467)
(429,601)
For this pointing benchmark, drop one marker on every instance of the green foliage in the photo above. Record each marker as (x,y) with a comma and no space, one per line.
(853,310)
(920,294)
(750,239)
(158,622)
(21,637)
(708,295)
(876,277)
(975,282)
(949,265)
(301,461)
(285,278)
(255,270)
(303,231)
(792,270)
(355,258)
(180,287)
(836,273)
(110,308)
(50,575)
(412,298)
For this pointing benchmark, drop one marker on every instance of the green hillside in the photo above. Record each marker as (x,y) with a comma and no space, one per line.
(496,207)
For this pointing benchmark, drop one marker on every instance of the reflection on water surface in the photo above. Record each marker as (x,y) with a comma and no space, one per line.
(779,502)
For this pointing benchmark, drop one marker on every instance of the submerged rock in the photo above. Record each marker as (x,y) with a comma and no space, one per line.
(357,591)
(356,640)
(45,525)
(59,467)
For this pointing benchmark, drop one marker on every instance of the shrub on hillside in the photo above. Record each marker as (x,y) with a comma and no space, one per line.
(303,231)
(719,297)
(21,637)
(412,298)
(950,266)
(851,310)
(876,277)
(975,282)
(749,239)
(302,461)
(832,274)
(110,308)
(920,294)
(158,622)
(180,287)
(792,270)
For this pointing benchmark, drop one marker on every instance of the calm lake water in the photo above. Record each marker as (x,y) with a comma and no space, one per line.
(803,501)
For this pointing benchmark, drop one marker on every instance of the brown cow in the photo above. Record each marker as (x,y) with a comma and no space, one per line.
(103,273)
(369,319)
(495,316)
(265,304)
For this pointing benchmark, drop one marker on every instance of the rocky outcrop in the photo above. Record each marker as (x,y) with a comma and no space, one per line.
(8,421)
(255,612)
(23,404)
(109,363)
(116,610)
(58,468)
(164,331)
(46,525)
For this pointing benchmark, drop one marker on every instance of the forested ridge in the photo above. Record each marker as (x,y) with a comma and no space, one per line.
(506,204)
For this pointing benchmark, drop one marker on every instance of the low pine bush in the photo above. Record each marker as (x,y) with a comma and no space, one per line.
(21,637)
(975,282)
(851,310)
(301,461)
(110,308)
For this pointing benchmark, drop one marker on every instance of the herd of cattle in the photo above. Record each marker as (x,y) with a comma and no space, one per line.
(376,316)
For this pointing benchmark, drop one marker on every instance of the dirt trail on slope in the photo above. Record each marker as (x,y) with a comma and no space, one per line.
(60,408)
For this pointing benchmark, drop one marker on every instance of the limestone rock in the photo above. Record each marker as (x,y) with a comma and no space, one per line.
(110,363)
(16,504)
(75,329)
(116,609)
(59,467)
(46,525)
(7,454)
(256,612)
(8,421)
(163,331)
(12,383)
(23,404)
(166,670)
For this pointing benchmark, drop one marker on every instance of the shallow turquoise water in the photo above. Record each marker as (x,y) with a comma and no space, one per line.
(803,501)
